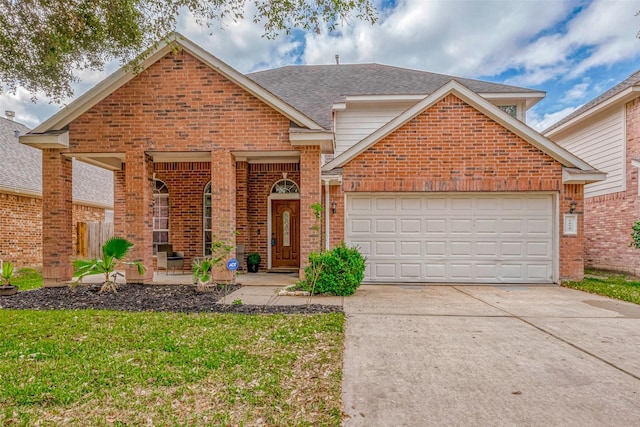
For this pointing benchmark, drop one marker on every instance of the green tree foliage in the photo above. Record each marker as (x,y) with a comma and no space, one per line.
(44,42)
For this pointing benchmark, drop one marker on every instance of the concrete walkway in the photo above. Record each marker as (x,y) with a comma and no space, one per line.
(490,356)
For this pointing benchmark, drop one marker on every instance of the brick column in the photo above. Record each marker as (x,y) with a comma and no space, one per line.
(138,217)
(57,219)
(119,203)
(223,200)
(242,207)
(310,193)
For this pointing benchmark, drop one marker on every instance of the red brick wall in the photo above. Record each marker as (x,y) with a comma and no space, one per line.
(453,147)
(179,104)
(336,220)
(21,228)
(609,218)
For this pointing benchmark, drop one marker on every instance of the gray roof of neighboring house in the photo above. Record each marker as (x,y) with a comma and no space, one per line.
(632,80)
(21,170)
(313,89)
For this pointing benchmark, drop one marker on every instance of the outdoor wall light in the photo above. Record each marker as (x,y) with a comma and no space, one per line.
(572,206)
(333,206)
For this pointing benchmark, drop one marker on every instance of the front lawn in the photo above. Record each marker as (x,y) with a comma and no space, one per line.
(113,368)
(614,285)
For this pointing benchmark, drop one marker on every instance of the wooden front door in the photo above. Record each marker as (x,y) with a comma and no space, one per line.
(285,233)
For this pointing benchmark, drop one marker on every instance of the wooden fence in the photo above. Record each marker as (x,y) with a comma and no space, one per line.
(91,237)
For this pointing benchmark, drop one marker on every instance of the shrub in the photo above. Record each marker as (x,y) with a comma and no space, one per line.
(337,272)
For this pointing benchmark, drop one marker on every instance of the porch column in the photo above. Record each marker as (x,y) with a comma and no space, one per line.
(138,217)
(57,218)
(242,206)
(310,193)
(119,203)
(223,200)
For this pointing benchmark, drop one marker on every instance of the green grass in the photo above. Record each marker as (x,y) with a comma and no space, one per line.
(27,278)
(106,368)
(614,285)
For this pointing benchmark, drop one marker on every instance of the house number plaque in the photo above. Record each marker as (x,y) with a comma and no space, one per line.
(570,224)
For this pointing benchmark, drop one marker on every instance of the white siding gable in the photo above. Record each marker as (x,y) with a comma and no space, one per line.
(359,121)
(601,143)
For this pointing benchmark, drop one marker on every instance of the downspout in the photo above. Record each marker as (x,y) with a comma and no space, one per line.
(326,214)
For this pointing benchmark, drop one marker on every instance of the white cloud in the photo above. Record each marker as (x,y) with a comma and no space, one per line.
(541,122)
(577,92)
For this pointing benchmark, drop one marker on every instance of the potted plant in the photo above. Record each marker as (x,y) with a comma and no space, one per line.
(253,262)
(114,251)
(6,273)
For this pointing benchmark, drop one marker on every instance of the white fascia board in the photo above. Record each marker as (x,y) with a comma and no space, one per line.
(127,73)
(479,103)
(332,179)
(582,177)
(530,98)
(324,139)
(384,98)
(46,140)
(340,106)
(620,98)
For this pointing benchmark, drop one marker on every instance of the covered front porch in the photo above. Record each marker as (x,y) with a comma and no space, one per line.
(257,201)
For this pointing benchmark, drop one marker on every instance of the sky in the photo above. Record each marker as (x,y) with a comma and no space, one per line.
(572,50)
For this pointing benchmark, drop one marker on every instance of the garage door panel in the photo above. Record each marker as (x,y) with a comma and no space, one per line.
(411,248)
(436,226)
(360,225)
(474,238)
(461,226)
(410,225)
(385,270)
(384,249)
(385,226)
(436,248)
(410,270)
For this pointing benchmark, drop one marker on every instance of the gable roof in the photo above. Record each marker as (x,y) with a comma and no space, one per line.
(21,171)
(620,93)
(313,89)
(479,103)
(103,89)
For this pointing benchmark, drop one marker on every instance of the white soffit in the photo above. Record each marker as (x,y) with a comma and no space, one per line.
(57,140)
(574,176)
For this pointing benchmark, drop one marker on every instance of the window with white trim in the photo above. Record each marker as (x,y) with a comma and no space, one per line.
(285,186)
(160,214)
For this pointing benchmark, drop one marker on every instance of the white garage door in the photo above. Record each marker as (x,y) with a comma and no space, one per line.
(464,238)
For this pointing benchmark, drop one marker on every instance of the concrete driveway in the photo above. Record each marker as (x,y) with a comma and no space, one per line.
(490,356)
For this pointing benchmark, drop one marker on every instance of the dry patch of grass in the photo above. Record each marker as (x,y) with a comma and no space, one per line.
(113,368)
(615,285)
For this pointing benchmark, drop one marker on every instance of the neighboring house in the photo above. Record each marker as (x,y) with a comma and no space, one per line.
(436,178)
(21,196)
(606,133)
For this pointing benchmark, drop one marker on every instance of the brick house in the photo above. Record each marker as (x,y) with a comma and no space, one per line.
(606,133)
(435,178)
(21,196)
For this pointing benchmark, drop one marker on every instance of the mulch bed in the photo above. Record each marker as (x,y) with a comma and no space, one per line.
(140,297)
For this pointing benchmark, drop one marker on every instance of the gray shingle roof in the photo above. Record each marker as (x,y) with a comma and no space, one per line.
(21,169)
(632,80)
(313,89)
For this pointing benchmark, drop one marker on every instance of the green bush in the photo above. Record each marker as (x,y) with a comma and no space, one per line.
(336,272)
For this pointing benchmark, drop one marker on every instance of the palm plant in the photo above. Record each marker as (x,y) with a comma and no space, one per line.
(6,273)
(114,251)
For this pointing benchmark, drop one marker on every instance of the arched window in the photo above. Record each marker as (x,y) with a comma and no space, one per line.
(285,186)
(160,214)
(206,219)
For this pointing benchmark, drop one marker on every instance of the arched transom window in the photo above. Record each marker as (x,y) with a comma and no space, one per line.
(285,186)
(160,214)
(206,219)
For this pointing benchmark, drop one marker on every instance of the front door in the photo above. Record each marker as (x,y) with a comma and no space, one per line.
(285,234)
